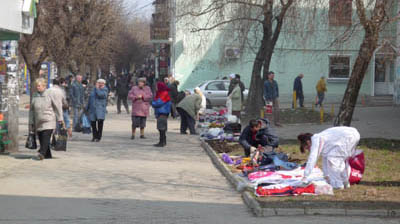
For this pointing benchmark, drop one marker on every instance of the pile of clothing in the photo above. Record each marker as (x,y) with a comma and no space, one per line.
(272,173)
(214,125)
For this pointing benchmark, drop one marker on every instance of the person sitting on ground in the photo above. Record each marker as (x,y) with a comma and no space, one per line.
(258,133)
(336,145)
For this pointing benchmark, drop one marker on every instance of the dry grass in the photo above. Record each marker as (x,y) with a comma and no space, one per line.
(381,181)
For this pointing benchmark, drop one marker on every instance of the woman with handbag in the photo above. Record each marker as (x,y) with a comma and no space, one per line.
(45,111)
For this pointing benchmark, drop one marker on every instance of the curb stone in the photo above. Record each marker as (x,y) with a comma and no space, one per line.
(296,210)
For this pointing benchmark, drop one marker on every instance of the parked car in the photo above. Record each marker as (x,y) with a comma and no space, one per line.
(216,92)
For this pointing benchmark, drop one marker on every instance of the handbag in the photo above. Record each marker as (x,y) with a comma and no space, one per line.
(59,140)
(31,141)
(86,127)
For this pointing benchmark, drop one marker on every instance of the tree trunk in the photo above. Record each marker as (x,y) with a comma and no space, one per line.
(33,75)
(255,97)
(349,101)
(62,71)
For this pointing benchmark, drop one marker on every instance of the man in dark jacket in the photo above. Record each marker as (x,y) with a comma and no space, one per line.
(298,88)
(77,99)
(122,92)
(241,85)
(258,133)
(173,93)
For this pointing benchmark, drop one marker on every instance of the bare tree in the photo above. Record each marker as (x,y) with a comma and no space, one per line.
(256,25)
(130,43)
(373,23)
(32,47)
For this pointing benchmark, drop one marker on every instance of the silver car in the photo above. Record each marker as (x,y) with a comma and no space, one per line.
(216,92)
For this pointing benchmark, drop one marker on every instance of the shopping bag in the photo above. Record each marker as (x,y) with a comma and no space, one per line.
(357,167)
(86,128)
(59,140)
(31,141)
(268,108)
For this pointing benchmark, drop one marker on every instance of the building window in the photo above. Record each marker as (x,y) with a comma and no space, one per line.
(340,12)
(339,67)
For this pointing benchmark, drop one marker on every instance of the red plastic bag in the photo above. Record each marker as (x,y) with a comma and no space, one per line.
(357,165)
(268,108)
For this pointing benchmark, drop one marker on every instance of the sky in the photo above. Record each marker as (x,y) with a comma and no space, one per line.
(141,6)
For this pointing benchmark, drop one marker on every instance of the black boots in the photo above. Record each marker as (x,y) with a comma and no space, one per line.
(163,139)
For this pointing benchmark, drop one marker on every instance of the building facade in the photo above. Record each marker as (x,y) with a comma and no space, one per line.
(16,18)
(200,56)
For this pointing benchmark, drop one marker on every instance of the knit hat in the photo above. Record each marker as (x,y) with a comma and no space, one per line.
(232,76)
(101,81)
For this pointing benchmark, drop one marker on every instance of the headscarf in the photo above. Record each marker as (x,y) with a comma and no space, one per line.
(162,92)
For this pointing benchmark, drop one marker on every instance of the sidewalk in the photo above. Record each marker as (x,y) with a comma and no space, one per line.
(124,181)
(371,122)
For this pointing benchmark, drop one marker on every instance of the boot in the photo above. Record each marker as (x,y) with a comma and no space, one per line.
(160,143)
(164,138)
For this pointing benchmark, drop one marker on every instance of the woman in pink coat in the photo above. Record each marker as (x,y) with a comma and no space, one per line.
(141,97)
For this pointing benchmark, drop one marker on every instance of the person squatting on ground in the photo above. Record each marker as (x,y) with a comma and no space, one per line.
(258,133)
(236,98)
(321,89)
(140,96)
(96,109)
(271,95)
(298,88)
(122,92)
(45,111)
(76,96)
(162,109)
(188,110)
(336,145)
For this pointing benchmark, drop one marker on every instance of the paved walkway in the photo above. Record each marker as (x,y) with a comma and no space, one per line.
(371,122)
(124,181)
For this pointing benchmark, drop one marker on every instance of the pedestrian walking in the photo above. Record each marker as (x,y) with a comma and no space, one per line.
(140,96)
(96,109)
(122,92)
(321,89)
(271,95)
(298,88)
(230,88)
(236,98)
(61,84)
(45,111)
(241,85)
(173,93)
(77,99)
(162,108)
(188,110)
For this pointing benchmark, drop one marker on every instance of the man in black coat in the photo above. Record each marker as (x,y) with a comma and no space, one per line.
(258,133)
(241,85)
(122,89)
(298,88)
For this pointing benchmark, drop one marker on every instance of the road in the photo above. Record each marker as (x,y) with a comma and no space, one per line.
(123,181)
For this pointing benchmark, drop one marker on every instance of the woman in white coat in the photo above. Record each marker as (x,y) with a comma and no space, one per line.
(203,107)
(336,145)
